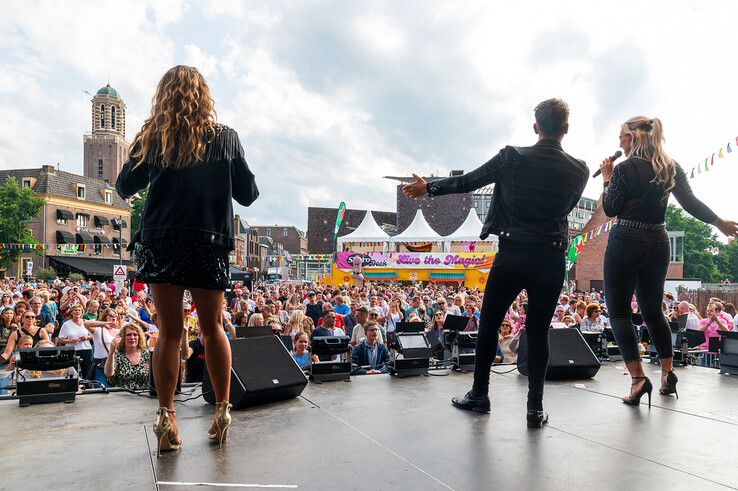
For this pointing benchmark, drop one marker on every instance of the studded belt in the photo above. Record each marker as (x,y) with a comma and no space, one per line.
(640,225)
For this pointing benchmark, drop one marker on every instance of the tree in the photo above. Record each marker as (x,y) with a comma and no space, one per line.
(17,207)
(75,277)
(728,261)
(46,273)
(701,247)
(137,209)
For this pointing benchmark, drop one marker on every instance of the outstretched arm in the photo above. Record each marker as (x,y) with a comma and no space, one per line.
(692,205)
(483,175)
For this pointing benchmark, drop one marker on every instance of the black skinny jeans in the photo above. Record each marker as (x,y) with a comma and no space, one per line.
(539,269)
(636,260)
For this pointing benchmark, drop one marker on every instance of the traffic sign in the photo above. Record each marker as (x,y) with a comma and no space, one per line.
(119,273)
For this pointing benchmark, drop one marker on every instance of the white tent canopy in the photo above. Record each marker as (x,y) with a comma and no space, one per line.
(367,231)
(469,230)
(418,231)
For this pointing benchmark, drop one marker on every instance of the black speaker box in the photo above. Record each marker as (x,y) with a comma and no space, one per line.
(570,357)
(262,371)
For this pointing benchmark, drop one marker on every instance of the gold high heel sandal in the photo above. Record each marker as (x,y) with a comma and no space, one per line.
(221,422)
(165,429)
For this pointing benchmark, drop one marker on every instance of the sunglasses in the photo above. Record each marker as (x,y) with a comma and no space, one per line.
(29,316)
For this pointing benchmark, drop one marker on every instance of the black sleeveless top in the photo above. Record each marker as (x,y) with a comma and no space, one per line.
(631,194)
(22,331)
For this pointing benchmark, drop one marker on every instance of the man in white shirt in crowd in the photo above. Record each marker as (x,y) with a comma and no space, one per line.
(693,322)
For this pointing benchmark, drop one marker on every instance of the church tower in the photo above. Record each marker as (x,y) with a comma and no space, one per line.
(106,149)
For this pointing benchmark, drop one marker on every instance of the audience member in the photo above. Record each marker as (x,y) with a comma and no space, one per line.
(370,356)
(128,362)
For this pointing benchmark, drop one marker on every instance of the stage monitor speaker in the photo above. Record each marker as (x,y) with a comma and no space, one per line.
(406,367)
(569,356)
(262,371)
(729,352)
(42,390)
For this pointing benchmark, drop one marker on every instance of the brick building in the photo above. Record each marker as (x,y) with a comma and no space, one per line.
(588,271)
(292,239)
(444,213)
(321,222)
(246,254)
(80,214)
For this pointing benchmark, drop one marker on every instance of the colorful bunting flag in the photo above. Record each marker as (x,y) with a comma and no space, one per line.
(721,154)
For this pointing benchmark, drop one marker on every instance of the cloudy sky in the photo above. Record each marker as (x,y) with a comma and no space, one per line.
(328,97)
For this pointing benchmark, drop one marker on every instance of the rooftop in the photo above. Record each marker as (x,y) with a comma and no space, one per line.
(108,90)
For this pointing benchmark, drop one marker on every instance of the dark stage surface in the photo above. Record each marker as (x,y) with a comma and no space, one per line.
(378,432)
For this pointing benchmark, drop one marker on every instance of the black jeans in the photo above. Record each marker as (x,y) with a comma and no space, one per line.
(539,269)
(636,260)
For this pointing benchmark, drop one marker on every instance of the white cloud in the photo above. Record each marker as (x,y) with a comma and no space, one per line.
(206,64)
(329,97)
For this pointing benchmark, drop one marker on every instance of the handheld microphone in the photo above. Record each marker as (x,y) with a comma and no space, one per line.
(613,157)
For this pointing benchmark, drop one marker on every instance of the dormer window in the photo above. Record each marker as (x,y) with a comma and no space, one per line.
(81,191)
(108,197)
(26,183)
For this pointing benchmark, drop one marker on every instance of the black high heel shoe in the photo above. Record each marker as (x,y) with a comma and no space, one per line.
(670,387)
(635,400)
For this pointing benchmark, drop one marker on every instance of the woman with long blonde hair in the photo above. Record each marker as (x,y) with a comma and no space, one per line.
(295,323)
(193,167)
(638,253)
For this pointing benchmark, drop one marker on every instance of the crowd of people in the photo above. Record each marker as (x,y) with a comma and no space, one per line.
(113,332)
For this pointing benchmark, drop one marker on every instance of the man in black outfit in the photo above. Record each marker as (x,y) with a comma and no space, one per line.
(535,189)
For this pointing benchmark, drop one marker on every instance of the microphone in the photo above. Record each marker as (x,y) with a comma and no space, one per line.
(613,157)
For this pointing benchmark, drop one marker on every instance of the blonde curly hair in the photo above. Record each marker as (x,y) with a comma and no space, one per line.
(181,124)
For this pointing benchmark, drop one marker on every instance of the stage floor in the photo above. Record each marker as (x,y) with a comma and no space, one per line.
(378,432)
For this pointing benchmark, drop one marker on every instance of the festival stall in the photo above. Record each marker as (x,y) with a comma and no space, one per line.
(368,237)
(466,237)
(467,268)
(418,237)
(417,254)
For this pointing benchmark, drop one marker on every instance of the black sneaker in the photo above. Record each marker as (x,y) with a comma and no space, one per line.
(536,419)
(472,403)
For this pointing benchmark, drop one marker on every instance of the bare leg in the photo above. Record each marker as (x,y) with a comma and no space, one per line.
(209,304)
(168,301)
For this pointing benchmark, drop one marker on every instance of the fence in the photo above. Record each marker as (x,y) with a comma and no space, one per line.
(700,298)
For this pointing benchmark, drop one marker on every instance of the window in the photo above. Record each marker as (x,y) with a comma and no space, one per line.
(102,115)
(26,183)
(100,167)
(112,117)
(269,232)
(81,220)
(108,197)
(676,247)
(80,191)
(285,232)
(61,221)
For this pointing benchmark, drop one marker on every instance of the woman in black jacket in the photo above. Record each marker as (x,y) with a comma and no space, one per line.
(192,166)
(637,254)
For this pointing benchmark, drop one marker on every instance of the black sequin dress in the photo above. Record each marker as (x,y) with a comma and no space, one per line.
(194,264)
